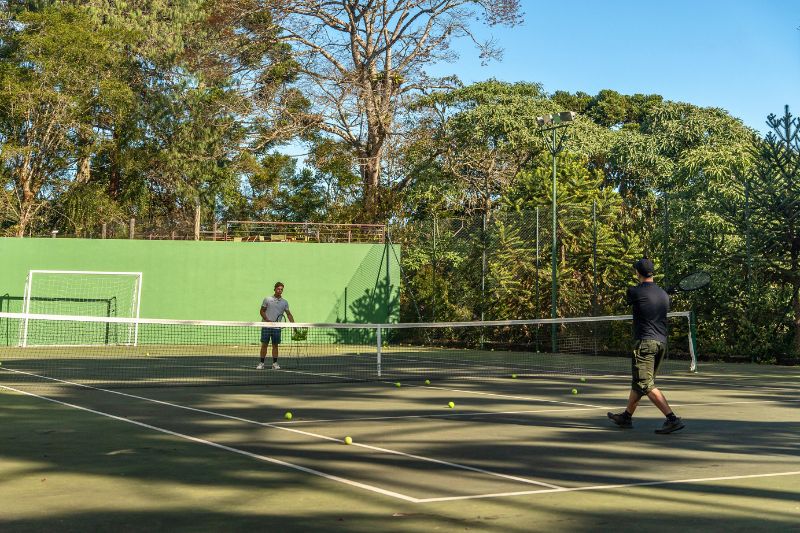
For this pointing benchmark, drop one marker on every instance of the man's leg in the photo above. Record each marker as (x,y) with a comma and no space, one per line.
(276,340)
(624,419)
(672,423)
(641,366)
(633,402)
(660,401)
(263,355)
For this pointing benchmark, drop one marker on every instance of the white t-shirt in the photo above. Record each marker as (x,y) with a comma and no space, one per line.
(275,308)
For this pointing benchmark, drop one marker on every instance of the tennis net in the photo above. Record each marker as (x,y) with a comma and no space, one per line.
(95,351)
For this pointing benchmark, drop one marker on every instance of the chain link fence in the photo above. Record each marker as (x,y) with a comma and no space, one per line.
(501,267)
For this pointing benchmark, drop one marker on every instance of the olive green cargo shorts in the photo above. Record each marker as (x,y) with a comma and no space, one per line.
(647,356)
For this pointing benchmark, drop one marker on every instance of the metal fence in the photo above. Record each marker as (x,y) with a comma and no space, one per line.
(501,267)
(235,230)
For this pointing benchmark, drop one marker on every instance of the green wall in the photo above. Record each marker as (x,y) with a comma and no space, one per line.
(206,280)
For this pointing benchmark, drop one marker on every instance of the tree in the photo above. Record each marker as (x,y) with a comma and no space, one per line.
(582,201)
(478,152)
(212,103)
(487,133)
(772,193)
(359,61)
(301,198)
(55,74)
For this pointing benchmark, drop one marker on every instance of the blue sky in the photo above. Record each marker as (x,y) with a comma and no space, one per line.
(741,56)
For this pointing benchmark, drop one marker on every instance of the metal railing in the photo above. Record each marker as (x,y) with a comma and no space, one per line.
(238,231)
(303,232)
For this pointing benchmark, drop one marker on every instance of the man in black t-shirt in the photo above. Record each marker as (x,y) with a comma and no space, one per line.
(650,306)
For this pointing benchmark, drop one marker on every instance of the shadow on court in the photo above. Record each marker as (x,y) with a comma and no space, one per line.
(83,471)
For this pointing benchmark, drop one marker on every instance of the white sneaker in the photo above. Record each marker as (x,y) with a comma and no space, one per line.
(260,366)
(276,366)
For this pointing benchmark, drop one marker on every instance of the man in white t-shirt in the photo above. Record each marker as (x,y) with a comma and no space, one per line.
(272,310)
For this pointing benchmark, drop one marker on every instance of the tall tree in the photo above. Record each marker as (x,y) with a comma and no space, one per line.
(359,60)
(485,136)
(212,102)
(470,144)
(772,193)
(56,72)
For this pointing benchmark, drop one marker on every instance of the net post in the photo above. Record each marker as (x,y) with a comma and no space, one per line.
(26,306)
(692,342)
(138,307)
(379,342)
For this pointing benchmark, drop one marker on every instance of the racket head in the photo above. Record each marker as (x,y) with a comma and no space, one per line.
(694,281)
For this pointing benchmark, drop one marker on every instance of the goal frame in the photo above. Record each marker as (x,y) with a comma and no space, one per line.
(26,299)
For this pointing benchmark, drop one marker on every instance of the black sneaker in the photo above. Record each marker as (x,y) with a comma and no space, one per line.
(621,420)
(670,426)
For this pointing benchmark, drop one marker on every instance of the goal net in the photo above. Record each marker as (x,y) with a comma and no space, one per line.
(83,293)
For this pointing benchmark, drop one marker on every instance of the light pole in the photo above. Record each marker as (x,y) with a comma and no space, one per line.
(555,143)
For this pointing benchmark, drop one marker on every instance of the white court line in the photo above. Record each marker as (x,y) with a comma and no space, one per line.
(607,487)
(300,432)
(168,358)
(553,490)
(435,415)
(714,383)
(513,396)
(320,374)
(264,458)
(506,370)
(392,493)
(526,411)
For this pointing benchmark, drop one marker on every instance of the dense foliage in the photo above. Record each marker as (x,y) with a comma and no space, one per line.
(180,115)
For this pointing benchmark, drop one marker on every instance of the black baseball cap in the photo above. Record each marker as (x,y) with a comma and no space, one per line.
(644,266)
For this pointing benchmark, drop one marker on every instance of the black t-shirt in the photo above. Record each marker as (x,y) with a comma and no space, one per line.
(650,306)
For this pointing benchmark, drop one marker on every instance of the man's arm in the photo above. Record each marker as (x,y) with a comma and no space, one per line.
(629,296)
(289,315)
(264,314)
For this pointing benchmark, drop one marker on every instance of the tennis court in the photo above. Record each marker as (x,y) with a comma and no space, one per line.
(514,453)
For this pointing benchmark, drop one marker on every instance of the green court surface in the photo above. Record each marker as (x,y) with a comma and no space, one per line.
(521,454)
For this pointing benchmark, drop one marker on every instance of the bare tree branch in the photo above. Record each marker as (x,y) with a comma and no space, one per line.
(360,58)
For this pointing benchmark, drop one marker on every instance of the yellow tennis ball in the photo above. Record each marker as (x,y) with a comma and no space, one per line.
(574,391)
(427,382)
(348,440)
(148,353)
(397,384)
(583,380)
(513,376)
(451,405)
(288,416)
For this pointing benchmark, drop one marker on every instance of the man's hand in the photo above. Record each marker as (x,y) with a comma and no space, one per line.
(672,290)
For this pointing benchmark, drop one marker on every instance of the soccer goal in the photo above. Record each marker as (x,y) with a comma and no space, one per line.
(82,293)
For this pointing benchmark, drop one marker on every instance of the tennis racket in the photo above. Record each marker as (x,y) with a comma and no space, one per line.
(692,282)
(298,334)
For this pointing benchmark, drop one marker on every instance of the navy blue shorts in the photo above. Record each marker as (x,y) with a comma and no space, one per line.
(271,333)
